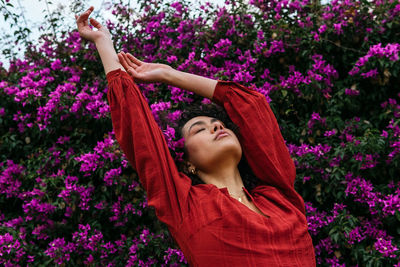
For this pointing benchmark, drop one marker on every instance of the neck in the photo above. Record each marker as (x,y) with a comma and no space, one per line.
(228,177)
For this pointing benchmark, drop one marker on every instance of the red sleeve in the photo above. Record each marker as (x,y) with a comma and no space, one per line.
(144,145)
(260,137)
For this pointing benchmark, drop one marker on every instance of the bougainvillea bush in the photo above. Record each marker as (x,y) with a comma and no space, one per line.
(330,72)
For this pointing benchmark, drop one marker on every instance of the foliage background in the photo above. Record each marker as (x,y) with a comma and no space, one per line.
(330,72)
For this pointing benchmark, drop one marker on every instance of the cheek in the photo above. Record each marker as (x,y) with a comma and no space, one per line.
(198,149)
(196,146)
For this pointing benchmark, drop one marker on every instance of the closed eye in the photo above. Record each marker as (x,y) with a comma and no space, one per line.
(200,130)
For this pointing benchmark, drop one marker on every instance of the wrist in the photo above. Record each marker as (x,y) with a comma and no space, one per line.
(169,75)
(103,40)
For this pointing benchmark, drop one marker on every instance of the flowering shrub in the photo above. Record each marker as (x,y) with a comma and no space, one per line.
(330,72)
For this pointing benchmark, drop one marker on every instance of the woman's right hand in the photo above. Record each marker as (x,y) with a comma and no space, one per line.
(88,33)
(141,71)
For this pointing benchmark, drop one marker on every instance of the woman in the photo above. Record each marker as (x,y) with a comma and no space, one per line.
(217,223)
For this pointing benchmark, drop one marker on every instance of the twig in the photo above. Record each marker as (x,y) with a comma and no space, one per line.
(51,17)
(22,13)
(341,46)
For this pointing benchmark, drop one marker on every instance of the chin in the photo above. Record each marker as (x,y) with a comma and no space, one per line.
(228,150)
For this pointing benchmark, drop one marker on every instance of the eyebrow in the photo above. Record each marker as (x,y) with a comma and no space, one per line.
(201,122)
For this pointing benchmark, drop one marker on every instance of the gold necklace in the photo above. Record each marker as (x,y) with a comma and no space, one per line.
(240,197)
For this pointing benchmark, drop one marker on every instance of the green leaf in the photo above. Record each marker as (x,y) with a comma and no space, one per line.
(397,214)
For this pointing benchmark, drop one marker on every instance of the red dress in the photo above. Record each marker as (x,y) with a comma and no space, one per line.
(212,228)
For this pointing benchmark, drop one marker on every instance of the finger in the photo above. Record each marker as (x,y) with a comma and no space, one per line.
(81,22)
(133,73)
(128,69)
(95,23)
(129,61)
(85,15)
(123,62)
(134,60)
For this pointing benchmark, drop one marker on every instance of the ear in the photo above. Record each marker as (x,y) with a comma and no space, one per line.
(188,165)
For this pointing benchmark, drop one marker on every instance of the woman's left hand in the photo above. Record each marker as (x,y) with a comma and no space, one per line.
(141,71)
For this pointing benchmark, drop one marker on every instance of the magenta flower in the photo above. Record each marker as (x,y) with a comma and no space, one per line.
(385,247)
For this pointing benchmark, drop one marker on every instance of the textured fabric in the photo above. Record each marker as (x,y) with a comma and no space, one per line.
(212,228)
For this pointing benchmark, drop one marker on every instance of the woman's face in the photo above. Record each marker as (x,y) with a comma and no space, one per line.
(205,150)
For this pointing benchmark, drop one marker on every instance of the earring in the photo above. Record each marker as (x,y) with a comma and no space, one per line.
(193,171)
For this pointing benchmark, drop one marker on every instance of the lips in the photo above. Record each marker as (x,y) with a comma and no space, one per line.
(222,132)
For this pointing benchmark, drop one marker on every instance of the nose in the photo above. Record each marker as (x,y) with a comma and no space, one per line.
(217,126)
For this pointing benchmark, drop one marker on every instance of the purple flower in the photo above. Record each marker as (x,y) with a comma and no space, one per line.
(110,175)
(223,44)
(59,250)
(36,206)
(370,74)
(338,28)
(322,29)
(354,71)
(316,219)
(172,59)
(89,160)
(244,76)
(56,65)
(277,46)
(157,107)
(169,135)
(385,247)
(9,179)
(315,117)
(355,235)
(319,150)
(89,260)
(100,205)
(178,95)
(39,231)
(325,245)
(260,35)
(294,80)
(390,51)
(351,92)
(170,252)
(63,139)
(391,204)
(330,133)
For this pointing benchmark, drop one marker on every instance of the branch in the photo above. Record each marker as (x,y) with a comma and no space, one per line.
(346,48)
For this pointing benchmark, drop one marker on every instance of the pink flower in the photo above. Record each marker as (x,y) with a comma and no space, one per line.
(322,29)
(56,65)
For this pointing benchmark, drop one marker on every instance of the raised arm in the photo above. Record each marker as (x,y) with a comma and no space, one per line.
(260,136)
(138,134)
(102,39)
(153,72)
